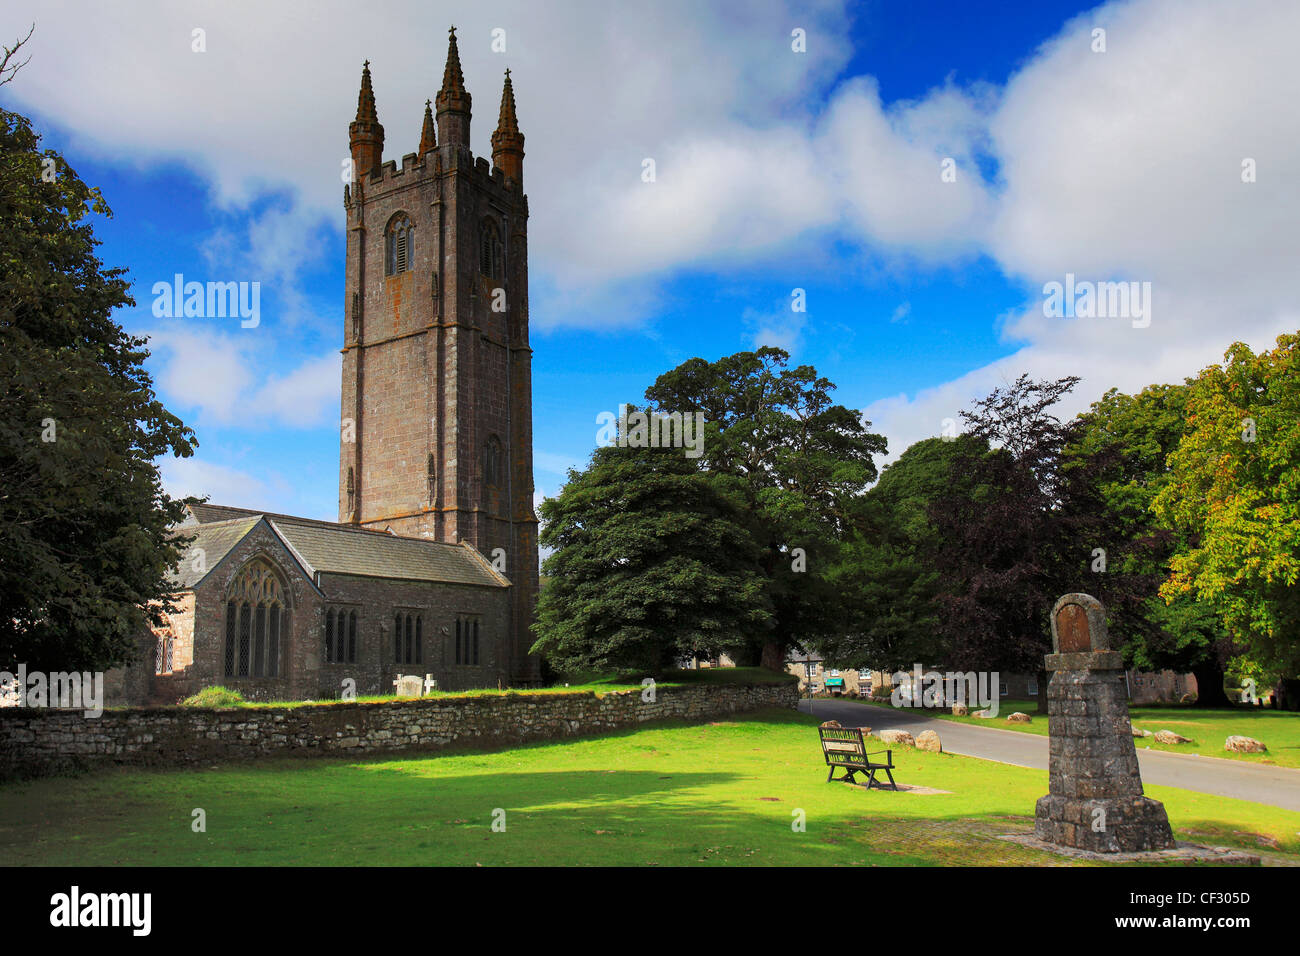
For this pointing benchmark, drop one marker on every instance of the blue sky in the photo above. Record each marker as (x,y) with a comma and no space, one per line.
(776,170)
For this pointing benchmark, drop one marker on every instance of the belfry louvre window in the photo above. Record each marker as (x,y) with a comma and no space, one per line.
(408,638)
(398,243)
(467,645)
(257,620)
(340,636)
(489,250)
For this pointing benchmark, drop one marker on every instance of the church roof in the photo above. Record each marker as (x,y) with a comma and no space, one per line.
(214,541)
(331,548)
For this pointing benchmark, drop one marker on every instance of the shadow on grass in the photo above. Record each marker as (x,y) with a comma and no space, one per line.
(397,816)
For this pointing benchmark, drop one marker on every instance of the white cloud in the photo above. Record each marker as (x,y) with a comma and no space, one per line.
(186,477)
(272,248)
(1127,164)
(305,396)
(781,328)
(1123,164)
(226,379)
(717,99)
(888,165)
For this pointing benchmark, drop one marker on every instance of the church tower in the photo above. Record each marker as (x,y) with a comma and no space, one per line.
(437,430)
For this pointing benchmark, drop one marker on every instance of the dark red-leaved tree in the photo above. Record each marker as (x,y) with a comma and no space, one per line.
(1029,534)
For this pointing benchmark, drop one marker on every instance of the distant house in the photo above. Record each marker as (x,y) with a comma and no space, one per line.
(815,677)
(697,663)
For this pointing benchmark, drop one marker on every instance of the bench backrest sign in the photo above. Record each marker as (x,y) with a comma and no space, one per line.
(843,747)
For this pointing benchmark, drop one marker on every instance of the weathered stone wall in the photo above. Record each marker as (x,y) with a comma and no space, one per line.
(41,742)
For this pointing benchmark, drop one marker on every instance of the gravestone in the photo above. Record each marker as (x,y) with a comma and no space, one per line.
(1095,800)
(408,685)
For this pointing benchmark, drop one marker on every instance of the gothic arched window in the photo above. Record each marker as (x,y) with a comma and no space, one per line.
(492,461)
(397,245)
(164,652)
(352,491)
(431,476)
(257,619)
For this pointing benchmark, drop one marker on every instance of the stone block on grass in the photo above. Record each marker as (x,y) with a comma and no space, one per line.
(899,738)
(929,740)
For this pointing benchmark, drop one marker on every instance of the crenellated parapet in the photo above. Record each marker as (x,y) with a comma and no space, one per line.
(444,146)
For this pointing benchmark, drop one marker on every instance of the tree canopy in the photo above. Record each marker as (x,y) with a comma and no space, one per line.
(652,564)
(1234,491)
(801,462)
(85,550)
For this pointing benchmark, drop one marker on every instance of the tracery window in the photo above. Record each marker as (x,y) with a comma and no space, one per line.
(257,620)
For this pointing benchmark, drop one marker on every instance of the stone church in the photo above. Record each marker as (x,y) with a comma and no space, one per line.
(432,566)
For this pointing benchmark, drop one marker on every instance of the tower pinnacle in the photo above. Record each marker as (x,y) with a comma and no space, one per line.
(507,141)
(453,101)
(366,134)
(428,135)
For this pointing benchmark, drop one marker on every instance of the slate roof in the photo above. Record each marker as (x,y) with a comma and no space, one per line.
(324,546)
(216,540)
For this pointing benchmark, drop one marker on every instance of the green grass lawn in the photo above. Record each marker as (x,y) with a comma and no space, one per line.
(671,794)
(1207,729)
(581,684)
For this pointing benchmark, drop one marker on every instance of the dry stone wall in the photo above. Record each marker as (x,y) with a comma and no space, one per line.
(37,743)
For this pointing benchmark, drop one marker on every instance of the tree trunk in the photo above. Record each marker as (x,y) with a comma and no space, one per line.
(773,656)
(1043,678)
(1209,684)
(1286,695)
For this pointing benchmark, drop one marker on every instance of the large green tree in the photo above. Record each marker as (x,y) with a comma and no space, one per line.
(887,570)
(1235,491)
(801,462)
(1127,441)
(652,563)
(84,546)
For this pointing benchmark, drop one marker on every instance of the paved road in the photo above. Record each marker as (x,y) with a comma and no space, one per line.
(1276,786)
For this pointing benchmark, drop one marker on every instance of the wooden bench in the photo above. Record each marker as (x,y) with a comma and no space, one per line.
(846,748)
